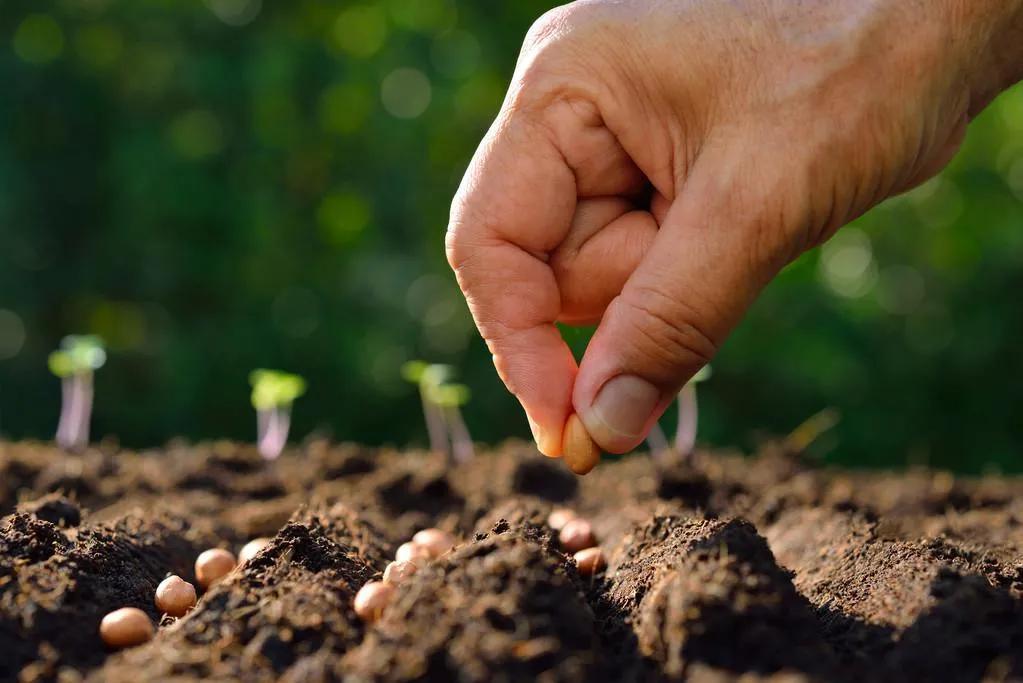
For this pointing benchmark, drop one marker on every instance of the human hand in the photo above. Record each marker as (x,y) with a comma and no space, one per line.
(657,162)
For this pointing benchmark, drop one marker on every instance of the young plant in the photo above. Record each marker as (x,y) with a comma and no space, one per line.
(450,398)
(78,357)
(427,377)
(442,404)
(688,413)
(273,393)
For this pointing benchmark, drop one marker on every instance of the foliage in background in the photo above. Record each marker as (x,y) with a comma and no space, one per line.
(220,185)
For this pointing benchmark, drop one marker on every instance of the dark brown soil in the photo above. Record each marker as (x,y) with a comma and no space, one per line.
(719,568)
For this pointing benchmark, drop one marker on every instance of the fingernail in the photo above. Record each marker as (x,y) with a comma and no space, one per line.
(620,412)
(539,436)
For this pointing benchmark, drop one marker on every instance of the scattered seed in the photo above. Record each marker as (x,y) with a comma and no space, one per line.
(125,627)
(576,535)
(251,549)
(411,552)
(396,572)
(559,517)
(436,541)
(372,599)
(581,454)
(589,561)
(175,596)
(213,565)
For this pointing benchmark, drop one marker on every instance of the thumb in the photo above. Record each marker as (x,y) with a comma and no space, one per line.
(709,260)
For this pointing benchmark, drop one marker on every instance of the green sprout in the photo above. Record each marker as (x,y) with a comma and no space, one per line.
(451,398)
(78,357)
(273,393)
(442,402)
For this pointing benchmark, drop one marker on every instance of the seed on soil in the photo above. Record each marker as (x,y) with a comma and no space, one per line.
(175,596)
(590,561)
(436,541)
(125,627)
(559,517)
(576,535)
(213,565)
(372,599)
(412,552)
(396,572)
(580,452)
(251,549)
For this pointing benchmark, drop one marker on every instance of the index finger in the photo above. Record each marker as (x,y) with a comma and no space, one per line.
(514,206)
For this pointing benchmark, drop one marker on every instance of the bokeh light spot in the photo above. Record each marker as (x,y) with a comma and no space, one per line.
(900,289)
(424,15)
(12,334)
(406,93)
(344,107)
(343,217)
(38,39)
(361,30)
(197,134)
(235,12)
(99,45)
(456,54)
(847,264)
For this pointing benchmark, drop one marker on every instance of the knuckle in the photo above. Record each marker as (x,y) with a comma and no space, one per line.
(670,335)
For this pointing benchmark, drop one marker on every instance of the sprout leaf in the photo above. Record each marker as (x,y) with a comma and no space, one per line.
(78,355)
(273,389)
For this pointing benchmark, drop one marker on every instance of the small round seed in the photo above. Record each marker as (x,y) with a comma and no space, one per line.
(581,454)
(372,599)
(576,535)
(251,549)
(396,572)
(213,565)
(175,596)
(436,541)
(589,561)
(125,627)
(559,517)
(412,552)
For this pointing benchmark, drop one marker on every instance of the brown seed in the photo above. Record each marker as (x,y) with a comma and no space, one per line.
(412,552)
(396,572)
(436,541)
(372,599)
(576,535)
(213,565)
(125,627)
(589,561)
(581,454)
(175,596)
(251,549)
(559,517)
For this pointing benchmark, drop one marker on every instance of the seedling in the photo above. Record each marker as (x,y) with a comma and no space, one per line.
(78,357)
(427,377)
(442,403)
(688,413)
(273,394)
(450,398)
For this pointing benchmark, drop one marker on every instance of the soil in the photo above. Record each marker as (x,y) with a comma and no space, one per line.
(720,567)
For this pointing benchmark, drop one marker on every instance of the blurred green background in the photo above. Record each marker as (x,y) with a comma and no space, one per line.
(222,185)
